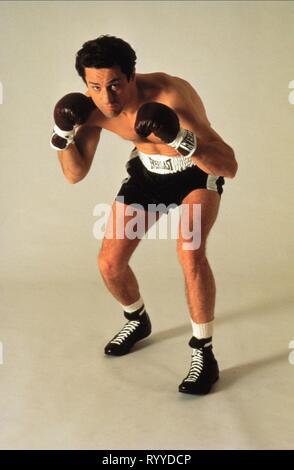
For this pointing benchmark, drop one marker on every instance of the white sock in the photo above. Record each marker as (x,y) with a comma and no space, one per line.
(136,307)
(202,330)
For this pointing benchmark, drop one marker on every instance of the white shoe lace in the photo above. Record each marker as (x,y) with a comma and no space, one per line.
(129,328)
(196,366)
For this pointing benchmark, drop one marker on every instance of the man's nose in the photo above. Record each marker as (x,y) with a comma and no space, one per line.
(107,97)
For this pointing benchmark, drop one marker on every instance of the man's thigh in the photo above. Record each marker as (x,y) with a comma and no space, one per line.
(198,214)
(125,228)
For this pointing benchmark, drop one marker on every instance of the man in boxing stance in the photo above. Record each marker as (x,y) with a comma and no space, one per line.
(178,159)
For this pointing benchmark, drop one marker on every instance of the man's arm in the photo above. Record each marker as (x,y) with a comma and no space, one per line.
(76,160)
(75,149)
(213,155)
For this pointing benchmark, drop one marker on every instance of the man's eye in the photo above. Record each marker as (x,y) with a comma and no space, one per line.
(112,87)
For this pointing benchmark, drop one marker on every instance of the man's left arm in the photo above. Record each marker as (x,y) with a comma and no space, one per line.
(212,154)
(183,125)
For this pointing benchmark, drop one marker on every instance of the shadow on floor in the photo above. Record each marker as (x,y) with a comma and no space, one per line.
(266,307)
(231,375)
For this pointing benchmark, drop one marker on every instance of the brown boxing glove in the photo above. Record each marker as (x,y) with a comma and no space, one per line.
(70,111)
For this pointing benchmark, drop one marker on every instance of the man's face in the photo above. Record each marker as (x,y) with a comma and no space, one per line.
(109,89)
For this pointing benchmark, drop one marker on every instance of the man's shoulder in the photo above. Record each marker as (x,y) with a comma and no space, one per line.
(162,85)
(181,85)
(162,78)
(181,96)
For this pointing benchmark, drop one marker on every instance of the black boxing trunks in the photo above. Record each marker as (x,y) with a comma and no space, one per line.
(158,179)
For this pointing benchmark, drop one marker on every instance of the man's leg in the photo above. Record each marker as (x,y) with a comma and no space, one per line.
(113,261)
(115,254)
(199,280)
(200,288)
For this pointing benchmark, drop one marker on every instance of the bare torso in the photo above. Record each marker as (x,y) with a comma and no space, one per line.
(161,88)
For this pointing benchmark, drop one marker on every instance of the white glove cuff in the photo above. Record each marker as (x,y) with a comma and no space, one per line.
(64,134)
(185,140)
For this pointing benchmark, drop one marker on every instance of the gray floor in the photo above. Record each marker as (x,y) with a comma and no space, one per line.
(58,390)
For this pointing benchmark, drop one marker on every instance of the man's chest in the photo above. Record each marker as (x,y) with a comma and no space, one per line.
(124,127)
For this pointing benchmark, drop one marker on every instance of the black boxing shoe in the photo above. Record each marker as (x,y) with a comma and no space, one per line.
(204,371)
(137,328)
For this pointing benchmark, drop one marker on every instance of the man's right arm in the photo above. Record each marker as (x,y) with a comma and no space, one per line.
(75,134)
(76,160)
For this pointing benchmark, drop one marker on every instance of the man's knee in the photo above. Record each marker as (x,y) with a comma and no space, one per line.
(109,266)
(191,259)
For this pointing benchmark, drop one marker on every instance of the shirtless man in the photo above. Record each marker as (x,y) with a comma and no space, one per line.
(178,159)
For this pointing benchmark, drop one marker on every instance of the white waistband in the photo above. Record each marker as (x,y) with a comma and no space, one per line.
(161,163)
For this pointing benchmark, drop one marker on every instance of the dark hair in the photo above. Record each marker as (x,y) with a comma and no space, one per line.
(106,52)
